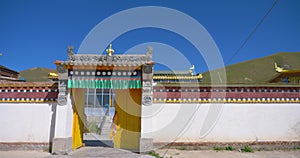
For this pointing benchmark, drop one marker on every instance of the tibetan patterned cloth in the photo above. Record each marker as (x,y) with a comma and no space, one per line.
(105,83)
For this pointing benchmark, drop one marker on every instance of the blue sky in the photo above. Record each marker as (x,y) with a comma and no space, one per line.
(36,33)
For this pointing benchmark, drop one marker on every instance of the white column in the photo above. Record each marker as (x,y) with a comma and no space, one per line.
(64,120)
(146,140)
(62,141)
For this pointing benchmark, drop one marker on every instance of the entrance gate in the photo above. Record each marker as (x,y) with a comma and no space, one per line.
(129,76)
(99,111)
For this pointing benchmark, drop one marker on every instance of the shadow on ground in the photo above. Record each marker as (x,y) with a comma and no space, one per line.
(98,143)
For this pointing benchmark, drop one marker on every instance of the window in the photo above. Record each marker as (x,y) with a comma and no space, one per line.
(99,98)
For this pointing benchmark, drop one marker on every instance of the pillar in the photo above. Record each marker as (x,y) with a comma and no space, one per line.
(146,140)
(62,141)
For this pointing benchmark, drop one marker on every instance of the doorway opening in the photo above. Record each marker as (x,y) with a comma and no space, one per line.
(94,110)
(99,109)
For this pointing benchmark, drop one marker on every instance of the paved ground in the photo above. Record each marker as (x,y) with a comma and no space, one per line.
(226,154)
(23,154)
(86,152)
(104,152)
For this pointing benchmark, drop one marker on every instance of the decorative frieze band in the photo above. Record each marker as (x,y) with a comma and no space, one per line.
(27,90)
(104,73)
(226,100)
(253,94)
(254,90)
(33,92)
(25,100)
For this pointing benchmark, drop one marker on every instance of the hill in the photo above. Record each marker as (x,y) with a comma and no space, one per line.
(36,74)
(259,70)
(255,71)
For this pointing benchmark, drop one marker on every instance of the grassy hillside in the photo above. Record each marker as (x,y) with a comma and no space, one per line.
(36,74)
(260,70)
(253,71)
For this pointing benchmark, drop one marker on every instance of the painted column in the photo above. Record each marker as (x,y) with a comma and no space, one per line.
(146,140)
(62,141)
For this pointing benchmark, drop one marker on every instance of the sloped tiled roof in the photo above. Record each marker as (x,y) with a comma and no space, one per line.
(5,68)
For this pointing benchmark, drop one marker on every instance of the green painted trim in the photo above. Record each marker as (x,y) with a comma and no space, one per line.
(105,84)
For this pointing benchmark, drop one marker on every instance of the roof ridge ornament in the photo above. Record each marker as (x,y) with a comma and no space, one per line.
(70,50)
(277,68)
(149,51)
(110,51)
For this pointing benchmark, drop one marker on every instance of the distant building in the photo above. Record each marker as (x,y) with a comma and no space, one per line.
(177,76)
(286,76)
(7,74)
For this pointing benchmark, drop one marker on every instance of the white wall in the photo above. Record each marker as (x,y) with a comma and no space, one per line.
(224,123)
(31,122)
(26,122)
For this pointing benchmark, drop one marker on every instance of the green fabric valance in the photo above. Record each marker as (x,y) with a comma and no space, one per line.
(105,84)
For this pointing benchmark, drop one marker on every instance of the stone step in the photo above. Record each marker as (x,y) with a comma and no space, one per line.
(106,127)
(103,128)
(105,131)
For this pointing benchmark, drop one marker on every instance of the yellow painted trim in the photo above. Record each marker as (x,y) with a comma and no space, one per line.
(178,77)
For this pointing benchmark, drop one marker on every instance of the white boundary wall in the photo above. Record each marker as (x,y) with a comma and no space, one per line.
(26,122)
(223,123)
(32,122)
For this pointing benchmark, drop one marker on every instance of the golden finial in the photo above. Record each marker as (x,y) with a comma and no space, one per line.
(110,51)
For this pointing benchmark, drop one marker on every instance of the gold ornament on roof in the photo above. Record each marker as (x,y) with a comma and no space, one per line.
(277,68)
(110,51)
(52,75)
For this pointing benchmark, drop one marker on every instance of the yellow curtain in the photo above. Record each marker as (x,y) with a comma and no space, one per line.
(128,108)
(78,100)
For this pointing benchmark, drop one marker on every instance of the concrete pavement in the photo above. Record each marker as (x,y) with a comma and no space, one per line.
(107,152)
(103,152)
(85,152)
(174,153)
